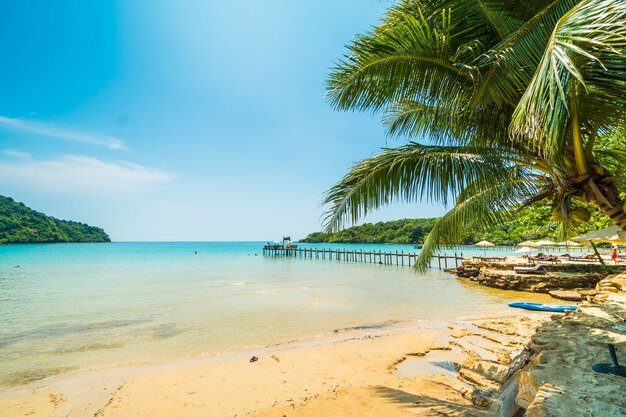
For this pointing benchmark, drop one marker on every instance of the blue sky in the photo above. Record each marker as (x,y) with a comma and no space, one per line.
(186,120)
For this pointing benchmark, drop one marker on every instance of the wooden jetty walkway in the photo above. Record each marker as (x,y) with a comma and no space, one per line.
(398,258)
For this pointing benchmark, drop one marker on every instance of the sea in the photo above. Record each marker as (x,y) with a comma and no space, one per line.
(73,307)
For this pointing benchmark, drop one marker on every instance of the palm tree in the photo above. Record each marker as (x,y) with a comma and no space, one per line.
(518,102)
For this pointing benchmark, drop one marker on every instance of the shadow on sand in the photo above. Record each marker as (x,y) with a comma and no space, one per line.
(434,406)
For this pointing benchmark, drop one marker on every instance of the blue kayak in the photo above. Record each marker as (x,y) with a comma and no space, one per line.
(543,307)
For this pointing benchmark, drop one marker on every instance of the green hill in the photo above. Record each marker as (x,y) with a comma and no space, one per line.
(397,231)
(531,223)
(20,224)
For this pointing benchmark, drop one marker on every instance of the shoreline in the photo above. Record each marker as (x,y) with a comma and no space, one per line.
(313,369)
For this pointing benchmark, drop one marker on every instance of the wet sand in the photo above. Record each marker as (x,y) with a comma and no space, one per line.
(360,372)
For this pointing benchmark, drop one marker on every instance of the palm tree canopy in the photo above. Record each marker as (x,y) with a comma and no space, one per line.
(517,103)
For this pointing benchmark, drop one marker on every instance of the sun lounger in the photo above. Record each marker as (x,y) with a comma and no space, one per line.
(586,258)
(545,258)
(490,258)
(537,269)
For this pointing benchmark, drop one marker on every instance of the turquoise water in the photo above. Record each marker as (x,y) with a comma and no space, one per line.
(86,306)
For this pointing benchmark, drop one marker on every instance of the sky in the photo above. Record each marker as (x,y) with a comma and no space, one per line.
(191,120)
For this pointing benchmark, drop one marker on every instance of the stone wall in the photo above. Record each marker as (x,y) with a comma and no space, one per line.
(555,279)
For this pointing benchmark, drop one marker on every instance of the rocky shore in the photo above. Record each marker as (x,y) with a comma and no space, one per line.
(567,281)
(552,377)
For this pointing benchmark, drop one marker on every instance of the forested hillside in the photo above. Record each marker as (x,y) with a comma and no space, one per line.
(398,231)
(20,224)
(532,223)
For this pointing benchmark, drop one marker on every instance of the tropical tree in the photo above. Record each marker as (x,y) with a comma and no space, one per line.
(517,102)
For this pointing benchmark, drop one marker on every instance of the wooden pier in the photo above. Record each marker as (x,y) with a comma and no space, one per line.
(397,258)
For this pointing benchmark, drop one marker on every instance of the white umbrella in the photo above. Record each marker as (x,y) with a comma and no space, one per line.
(528,243)
(526,249)
(484,244)
(545,243)
(613,234)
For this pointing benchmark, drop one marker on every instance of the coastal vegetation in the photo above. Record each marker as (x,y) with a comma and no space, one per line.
(398,231)
(20,224)
(516,103)
(531,223)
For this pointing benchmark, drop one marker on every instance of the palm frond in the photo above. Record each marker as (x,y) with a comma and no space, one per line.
(411,59)
(612,159)
(592,29)
(481,207)
(409,173)
(449,124)
(507,68)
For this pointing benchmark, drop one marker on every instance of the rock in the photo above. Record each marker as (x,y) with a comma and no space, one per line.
(547,403)
(553,377)
(490,370)
(475,379)
(459,332)
(588,292)
(504,357)
(518,363)
(537,347)
(482,398)
(566,295)
(560,276)
(527,389)
(507,407)
(495,371)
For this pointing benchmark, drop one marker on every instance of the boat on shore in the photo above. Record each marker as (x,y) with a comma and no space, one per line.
(553,308)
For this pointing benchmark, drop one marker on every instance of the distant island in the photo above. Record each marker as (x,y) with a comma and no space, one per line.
(397,231)
(21,224)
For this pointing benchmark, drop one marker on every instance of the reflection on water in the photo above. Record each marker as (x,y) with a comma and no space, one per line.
(93,305)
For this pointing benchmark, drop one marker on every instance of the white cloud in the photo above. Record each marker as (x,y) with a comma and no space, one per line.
(65,133)
(81,174)
(17,154)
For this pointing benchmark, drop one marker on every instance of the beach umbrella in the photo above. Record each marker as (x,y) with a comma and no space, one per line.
(528,243)
(545,243)
(613,234)
(484,244)
(526,249)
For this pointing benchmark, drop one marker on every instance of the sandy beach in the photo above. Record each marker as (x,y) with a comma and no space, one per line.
(473,366)
(358,372)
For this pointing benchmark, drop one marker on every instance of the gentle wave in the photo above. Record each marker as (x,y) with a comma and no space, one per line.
(24,377)
(63,329)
